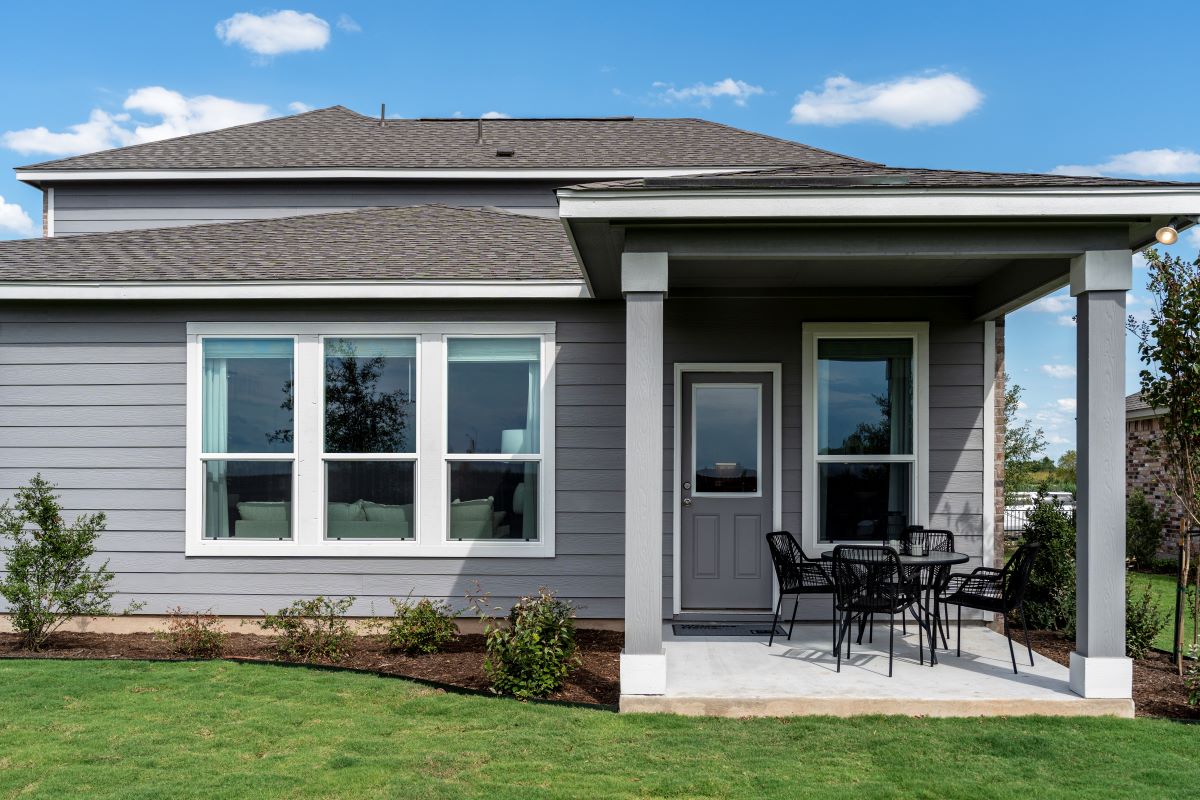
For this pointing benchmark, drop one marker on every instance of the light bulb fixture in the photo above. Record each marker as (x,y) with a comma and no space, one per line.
(1169,233)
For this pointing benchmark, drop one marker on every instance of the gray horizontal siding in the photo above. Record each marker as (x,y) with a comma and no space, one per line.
(93,397)
(122,206)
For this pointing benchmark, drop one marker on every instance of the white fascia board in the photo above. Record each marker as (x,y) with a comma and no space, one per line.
(295,290)
(576,174)
(879,202)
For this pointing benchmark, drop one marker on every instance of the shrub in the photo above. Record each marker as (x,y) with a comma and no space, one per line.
(421,627)
(1050,598)
(1143,530)
(1144,621)
(192,634)
(312,630)
(534,652)
(48,580)
(1191,678)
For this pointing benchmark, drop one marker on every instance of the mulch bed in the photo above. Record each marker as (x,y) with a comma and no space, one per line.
(595,682)
(1158,691)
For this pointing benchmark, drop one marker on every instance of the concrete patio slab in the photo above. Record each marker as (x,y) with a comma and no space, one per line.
(742,677)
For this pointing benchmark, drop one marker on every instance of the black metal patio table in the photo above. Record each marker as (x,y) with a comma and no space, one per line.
(936,558)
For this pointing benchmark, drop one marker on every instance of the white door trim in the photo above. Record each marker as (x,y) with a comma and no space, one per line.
(776,370)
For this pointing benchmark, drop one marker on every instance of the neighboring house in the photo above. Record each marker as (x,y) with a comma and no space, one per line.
(601,355)
(1143,467)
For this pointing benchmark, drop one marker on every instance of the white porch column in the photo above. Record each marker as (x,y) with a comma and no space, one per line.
(1099,668)
(644,284)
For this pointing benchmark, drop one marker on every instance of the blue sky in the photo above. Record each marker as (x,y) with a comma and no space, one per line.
(1012,86)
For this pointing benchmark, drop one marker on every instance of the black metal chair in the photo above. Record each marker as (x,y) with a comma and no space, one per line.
(996,590)
(797,574)
(933,579)
(869,580)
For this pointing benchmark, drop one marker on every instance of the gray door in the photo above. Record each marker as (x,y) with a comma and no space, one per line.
(726,477)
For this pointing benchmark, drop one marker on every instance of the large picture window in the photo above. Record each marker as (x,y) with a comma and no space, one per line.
(863,431)
(370,439)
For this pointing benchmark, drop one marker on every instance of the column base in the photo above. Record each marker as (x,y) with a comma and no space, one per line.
(1102,677)
(643,673)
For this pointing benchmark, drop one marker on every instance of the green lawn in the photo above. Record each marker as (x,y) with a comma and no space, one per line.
(1163,587)
(112,729)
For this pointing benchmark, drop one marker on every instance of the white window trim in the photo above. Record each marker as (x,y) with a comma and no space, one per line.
(918,332)
(431,504)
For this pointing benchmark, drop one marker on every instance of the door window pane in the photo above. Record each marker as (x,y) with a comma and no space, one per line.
(247,499)
(370,395)
(492,395)
(494,500)
(863,502)
(369,499)
(726,439)
(247,396)
(864,397)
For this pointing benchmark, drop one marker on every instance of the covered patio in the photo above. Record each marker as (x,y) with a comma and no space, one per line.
(945,254)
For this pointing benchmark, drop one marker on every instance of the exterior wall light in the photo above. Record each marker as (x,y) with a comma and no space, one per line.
(1169,233)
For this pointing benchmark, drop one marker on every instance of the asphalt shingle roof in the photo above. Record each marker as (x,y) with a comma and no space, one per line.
(1134,402)
(861,175)
(429,242)
(337,137)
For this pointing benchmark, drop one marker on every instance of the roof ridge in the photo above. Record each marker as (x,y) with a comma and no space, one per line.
(128,147)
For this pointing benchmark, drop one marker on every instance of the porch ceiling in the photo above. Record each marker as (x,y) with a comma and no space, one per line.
(997,266)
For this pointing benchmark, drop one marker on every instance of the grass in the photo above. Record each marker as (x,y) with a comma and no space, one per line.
(1163,589)
(129,729)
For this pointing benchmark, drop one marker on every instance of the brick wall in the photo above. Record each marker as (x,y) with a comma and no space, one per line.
(1143,470)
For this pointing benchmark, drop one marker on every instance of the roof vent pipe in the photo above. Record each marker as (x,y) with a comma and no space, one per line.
(382,115)
(479,131)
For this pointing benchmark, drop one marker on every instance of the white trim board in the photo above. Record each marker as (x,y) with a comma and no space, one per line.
(291,290)
(776,370)
(878,202)
(581,174)
(918,332)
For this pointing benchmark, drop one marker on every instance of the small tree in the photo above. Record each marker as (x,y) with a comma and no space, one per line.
(1022,443)
(48,580)
(1170,381)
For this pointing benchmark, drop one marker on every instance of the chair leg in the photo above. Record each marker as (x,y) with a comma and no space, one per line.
(1025,627)
(958,647)
(1008,635)
(921,643)
(845,628)
(793,624)
(775,621)
(871,630)
(937,612)
(891,640)
(833,603)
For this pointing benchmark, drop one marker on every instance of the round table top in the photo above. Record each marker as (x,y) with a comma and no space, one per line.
(936,558)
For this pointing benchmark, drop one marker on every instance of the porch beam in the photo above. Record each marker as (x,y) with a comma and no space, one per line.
(864,240)
(644,285)
(1016,284)
(1099,668)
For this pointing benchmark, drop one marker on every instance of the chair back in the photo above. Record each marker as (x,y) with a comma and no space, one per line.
(1015,576)
(941,541)
(786,556)
(864,573)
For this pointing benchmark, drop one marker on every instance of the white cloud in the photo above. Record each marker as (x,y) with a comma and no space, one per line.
(1054,304)
(163,113)
(14,219)
(346,23)
(276,33)
(296,107)
(907,102)
(1054,438)
(1066,320)
(1162,161)
(1066,404)
(703,93)
(495,115)
(1061,371)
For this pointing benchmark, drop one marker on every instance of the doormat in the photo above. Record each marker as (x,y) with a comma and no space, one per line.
(725,629)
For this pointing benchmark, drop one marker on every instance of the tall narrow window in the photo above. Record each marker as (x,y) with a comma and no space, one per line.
(493,437)
(370,437)
(248,438)
(865,454)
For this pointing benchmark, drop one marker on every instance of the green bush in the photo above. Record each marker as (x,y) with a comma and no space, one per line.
(535,651)
(1191,678)
(1143,530)
(312,630)
(1050,599)
(192,634)
(47,579)
(1144,620)
(421,627)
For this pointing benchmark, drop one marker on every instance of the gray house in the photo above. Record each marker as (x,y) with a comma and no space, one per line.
(329,354)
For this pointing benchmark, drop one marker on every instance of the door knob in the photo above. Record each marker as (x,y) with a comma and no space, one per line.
(687,501)
(687,485)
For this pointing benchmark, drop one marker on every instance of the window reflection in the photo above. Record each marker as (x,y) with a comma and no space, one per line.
(247,499)
(493,500)
(492,394)
(247,396)
(726,438)
(863,502)
(370,395)
(864,397)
